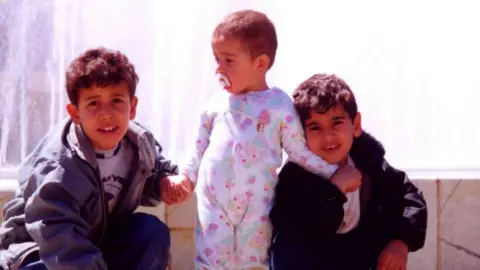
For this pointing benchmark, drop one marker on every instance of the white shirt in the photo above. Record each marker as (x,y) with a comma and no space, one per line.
(351,208)
(114,166)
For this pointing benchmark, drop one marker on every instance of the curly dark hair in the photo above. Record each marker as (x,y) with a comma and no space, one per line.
(101,67)
(321,92)
(254,29)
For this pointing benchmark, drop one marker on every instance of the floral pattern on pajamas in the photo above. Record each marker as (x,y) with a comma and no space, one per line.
(238,149)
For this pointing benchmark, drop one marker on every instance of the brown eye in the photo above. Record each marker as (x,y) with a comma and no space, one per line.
(338,124)
(92,104)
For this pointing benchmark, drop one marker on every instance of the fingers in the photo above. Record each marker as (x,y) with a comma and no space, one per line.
(175,189)
(391,262)
(184,193)
(168,201)
(394,265)
(187,187)
(382,262)
(178,194)
(184,189)
(399,264)
(168,193)
(167,198)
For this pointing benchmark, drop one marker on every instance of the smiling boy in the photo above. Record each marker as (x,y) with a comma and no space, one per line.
(82,183)
(323,225)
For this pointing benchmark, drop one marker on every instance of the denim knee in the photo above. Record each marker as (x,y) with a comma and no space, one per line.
(151,230)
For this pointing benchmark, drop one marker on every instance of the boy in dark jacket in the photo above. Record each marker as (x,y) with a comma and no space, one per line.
(319,224)
(82,183)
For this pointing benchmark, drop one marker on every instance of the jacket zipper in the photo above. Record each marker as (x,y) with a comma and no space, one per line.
(102,195)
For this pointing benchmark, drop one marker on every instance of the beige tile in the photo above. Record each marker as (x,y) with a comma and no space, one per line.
(5,196)
(158,211)
(457,259)
(182,251)
(426,258)
(2,204)
(446,189)
(181,215)
(459,221)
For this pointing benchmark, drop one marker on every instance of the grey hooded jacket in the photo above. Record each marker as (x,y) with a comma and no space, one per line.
(60,208)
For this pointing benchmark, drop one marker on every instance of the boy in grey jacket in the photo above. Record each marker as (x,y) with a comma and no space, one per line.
(82,183)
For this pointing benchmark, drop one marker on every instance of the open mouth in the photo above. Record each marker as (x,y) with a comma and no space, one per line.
(223,80)
(331,147)
(108,130)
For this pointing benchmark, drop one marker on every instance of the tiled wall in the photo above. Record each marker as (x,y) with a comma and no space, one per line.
(181,220)
(453,234)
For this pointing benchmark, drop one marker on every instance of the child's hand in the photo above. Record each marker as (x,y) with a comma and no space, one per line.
(347,179)
(175,189)
(394,256)
(182,186)
(166,194)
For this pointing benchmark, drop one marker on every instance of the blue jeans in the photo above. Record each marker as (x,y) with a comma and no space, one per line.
(141,241)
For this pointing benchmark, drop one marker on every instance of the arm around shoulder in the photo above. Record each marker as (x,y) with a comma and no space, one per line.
(53,220)
(293,141)
(306,206)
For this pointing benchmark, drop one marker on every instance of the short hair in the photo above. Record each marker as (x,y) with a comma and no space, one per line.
(254,29)
(321,92)
(99,67)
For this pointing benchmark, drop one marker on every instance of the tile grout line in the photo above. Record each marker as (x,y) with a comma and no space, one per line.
(165,218)
(464,249)
(450,195)
(439,212)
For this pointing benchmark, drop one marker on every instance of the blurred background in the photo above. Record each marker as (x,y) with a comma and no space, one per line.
(413,65)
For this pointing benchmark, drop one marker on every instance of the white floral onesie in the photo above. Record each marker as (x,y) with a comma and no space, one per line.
(237,152)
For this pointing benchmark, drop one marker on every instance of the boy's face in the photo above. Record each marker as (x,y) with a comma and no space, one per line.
(330,135)
(104,114)
(234,62)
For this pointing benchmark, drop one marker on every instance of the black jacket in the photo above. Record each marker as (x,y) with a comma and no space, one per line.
(308,209)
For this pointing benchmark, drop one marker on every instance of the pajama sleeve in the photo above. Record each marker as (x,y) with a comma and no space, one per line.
(294,143)
(202,140)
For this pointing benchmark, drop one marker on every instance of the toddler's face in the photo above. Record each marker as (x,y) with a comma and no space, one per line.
(330,135)
(234,63)
(104,114)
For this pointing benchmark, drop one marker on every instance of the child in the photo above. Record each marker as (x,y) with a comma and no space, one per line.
(239,147)
(82,183)
(323,225)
